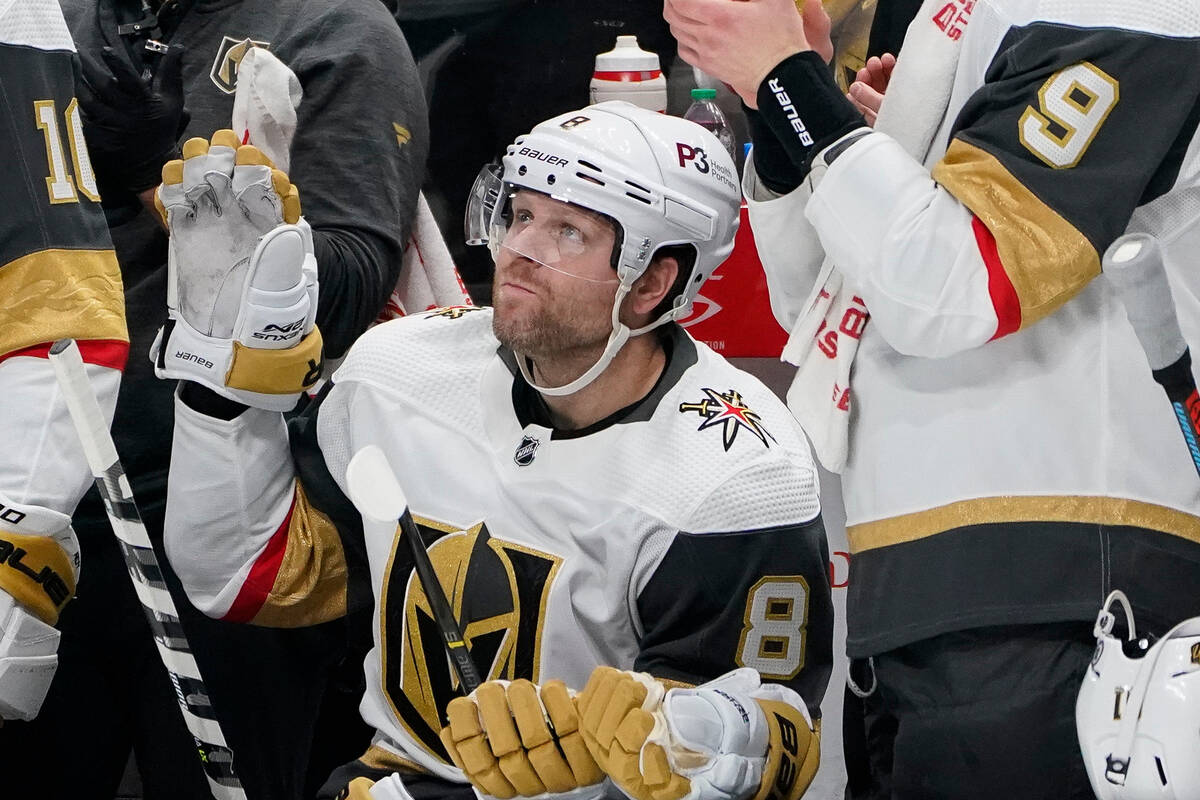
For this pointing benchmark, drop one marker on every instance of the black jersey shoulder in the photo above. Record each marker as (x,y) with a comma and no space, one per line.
(1135,145)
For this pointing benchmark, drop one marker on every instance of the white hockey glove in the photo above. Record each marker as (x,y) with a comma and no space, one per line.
(729,739)
(39,567)
(514,739)
(242,277)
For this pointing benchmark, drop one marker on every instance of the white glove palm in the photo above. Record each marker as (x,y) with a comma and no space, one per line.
(242,278)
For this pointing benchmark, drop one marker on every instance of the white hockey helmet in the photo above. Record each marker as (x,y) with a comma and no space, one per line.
(663,180)
(1138,717)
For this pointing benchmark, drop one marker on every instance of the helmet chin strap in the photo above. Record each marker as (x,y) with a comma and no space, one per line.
(616,340)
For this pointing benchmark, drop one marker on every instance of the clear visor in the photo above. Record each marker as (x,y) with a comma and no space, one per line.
(558,235)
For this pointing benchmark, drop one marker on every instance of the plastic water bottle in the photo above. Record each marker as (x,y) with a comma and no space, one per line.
(629,73)
(705,112)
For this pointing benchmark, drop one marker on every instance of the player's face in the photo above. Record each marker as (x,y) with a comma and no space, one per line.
(554,285)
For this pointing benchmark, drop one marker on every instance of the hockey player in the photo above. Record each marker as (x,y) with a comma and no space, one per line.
(58,278)
(594,487)
(1009,458)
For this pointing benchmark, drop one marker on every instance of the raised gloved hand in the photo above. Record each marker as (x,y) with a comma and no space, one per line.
(242,278)
(132,123)
(725,740)
(512,739)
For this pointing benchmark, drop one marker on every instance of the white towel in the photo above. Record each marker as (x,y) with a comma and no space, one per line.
(264,114)
(825,338)
(428,278)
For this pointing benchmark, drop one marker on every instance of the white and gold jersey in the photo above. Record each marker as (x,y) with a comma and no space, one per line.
(1011,458)
(681,536)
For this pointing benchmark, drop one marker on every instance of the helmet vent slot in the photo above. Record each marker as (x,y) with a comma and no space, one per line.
(645,200)
(589,165)
(636,186)
(1162,775)
(589,178)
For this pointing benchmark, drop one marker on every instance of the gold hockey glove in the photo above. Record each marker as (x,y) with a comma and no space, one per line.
(514,739)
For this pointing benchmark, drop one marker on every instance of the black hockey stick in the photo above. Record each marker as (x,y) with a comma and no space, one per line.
(375,491)
(1134,265)
(215,756)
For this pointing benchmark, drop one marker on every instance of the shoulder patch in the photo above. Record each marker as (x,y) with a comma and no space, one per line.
(730,412)
(451,312)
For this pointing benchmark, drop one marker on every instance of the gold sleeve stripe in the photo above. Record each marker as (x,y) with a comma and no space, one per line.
(1047,260)
(793,753)
(1095,510)
(311,584)
(57,294)
(37,572)
(304,567)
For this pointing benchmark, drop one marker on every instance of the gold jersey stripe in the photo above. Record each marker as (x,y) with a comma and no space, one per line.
(1047,260)
(984,510)
(310,586)
(57,294)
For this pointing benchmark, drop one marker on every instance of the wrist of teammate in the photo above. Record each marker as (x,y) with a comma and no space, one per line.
(800,103)
(772,163)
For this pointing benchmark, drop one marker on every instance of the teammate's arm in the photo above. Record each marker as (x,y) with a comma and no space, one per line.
(359,152)
(1046,163)
(58,278)
(255,523)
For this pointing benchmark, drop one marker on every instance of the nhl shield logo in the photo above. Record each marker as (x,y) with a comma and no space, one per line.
(229,56)
(525,451)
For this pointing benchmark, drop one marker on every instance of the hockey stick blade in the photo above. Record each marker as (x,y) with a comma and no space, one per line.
(374,490)
(173,648)
(1133,264)
(373,487)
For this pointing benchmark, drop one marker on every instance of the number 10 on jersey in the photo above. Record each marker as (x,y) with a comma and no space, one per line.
(60,184)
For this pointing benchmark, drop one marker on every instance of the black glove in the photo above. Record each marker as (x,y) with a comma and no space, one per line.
(132,123)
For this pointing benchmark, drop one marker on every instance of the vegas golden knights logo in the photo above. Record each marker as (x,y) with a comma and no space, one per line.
(1196,654)
(498,592)
(452,312)
(229,56)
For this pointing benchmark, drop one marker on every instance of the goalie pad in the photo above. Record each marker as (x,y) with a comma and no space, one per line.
(39,558)
(242,278)
(39,568)
(723,740)
(28,659)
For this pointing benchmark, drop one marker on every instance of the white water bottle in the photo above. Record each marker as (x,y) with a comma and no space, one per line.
(705,112)
(629,73)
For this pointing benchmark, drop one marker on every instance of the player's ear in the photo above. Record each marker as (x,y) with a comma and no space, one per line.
(654,285)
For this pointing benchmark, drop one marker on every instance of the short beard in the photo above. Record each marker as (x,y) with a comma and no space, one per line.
(553,334)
